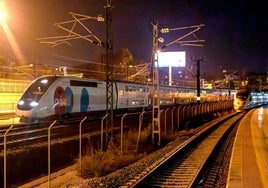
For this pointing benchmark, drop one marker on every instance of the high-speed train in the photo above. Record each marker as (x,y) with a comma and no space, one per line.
(51,97)
(247,98)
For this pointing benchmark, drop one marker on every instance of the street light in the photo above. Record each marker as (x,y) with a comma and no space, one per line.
(3,14)
(2,10)
(8,33)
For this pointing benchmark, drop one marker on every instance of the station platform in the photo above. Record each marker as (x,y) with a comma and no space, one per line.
(249,162)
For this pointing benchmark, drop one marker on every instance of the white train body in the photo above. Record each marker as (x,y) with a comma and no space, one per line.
(54,96)
(246,99)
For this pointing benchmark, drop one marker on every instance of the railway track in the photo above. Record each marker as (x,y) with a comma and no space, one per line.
(38,134)
(27,146)
(187,165)
(24,135)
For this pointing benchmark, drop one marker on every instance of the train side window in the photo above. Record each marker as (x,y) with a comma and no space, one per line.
(83,83)
(121,93)
(150,101)
(126,88)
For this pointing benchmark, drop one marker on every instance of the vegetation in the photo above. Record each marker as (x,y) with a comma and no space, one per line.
(96,163)
(122,62)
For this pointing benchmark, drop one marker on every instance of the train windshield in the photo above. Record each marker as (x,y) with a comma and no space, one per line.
(35,91)
(242,94)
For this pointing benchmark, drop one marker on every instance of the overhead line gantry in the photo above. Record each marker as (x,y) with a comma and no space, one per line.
(70,27)
(156,112)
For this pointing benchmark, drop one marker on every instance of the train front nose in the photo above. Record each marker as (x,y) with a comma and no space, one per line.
(25,108)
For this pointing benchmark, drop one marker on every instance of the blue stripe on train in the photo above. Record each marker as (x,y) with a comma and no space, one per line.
(84,100)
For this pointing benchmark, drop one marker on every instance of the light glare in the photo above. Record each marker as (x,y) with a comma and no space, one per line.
(3,13)
(34,104)
(7,31)
(21,102)
(2,16)
(44,81)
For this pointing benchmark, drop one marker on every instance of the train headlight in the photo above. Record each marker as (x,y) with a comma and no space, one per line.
(20,102)
(34,104)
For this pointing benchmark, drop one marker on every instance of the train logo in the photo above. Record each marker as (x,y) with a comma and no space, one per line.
(60,101)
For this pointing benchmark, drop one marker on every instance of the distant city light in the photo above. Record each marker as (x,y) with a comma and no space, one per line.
(100,18)
(164,30)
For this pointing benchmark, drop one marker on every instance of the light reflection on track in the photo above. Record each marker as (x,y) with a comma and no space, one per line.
(259,127)
(8,119)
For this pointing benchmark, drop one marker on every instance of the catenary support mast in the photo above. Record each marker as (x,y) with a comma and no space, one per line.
(109,67)
(155,98)
(155,64)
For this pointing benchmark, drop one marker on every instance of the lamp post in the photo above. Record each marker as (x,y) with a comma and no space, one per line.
(228,76)
(198,81)
(198,60)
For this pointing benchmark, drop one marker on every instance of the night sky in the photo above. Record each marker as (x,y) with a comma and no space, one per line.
(235,32)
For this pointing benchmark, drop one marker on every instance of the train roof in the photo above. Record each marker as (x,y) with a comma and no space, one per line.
(70,77)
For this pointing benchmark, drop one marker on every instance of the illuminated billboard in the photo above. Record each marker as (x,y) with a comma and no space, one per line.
(171,59)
